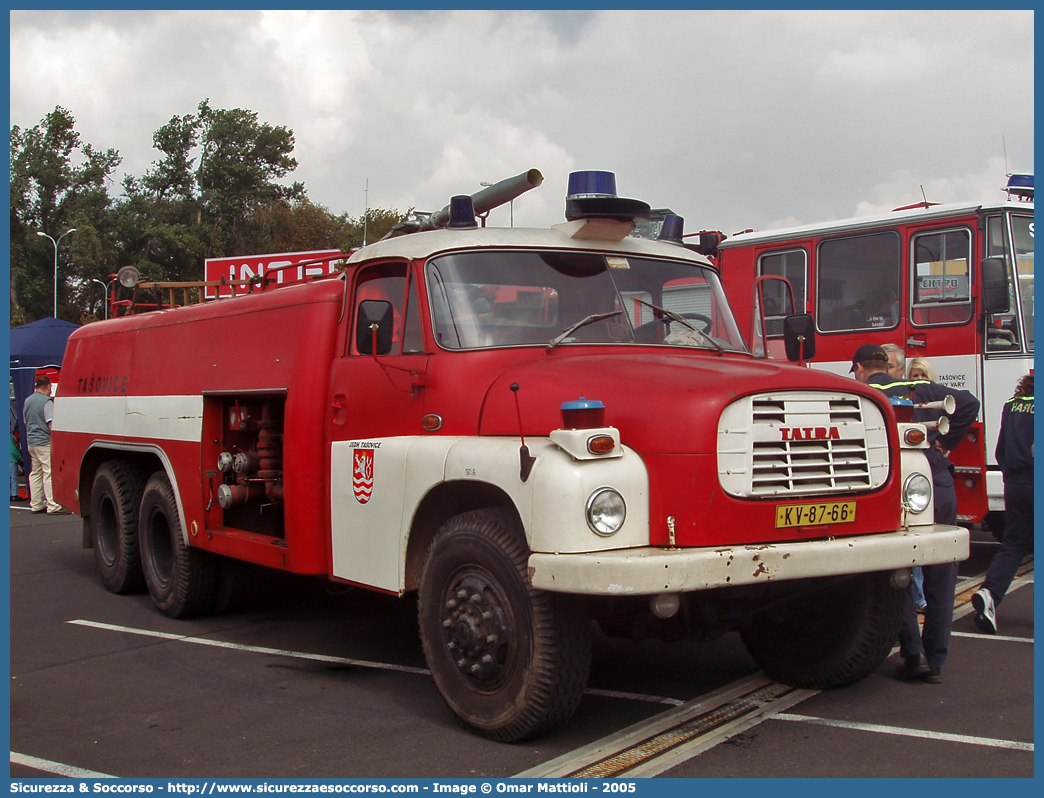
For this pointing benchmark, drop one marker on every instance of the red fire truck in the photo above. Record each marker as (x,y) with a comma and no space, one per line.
(527,428)
(951,283)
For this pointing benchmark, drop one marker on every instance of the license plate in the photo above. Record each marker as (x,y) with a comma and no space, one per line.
(815,514)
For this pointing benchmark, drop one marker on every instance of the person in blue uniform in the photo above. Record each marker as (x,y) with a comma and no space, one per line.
(1015,457)
(925,652)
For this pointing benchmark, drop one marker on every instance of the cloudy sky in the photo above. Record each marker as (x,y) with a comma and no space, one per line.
(733,119)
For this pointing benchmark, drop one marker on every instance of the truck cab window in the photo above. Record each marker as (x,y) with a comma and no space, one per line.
(793,266)
(1022,235)
(530,298)
(386,283)
(1003,329)
(940,275)
(412,336)
(858,283)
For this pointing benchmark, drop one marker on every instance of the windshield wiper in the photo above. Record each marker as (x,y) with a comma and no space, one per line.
(582,323)
(670,314)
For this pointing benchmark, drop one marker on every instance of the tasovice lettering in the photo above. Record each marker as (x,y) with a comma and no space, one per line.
(114,383)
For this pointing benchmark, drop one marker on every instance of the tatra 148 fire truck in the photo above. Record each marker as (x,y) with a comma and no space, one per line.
(533,429)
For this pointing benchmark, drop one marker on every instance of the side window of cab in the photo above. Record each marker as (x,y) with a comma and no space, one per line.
(381,289)
(940,276)
(858,283)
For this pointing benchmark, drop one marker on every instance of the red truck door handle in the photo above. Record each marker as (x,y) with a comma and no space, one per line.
(340,408)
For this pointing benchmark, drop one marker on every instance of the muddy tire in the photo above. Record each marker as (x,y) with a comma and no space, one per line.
(831,637)
(510,661)
(180,579)
(115,500)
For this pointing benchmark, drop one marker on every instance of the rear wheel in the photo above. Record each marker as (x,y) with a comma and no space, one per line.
(830,637)
(180,579)
(510,661)
(115,499)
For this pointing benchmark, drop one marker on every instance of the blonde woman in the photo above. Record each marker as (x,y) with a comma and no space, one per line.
(920,369)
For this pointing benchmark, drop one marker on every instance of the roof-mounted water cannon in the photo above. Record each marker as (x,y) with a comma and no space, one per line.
(482,202)
(1020,186)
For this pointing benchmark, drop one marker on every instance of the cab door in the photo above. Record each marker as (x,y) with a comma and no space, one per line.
(941,314)
(1007,337)
(376,401)
(943,330)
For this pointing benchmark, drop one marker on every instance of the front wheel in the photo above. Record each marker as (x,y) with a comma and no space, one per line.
(180,579)
(510,661)
(831,637)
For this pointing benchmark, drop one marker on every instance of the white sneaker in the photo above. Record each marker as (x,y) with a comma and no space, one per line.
(986,612)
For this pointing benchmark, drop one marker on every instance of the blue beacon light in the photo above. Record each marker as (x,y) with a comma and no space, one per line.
(462,212)
(592,195)
(1021,186)
(583,185)
(671,229)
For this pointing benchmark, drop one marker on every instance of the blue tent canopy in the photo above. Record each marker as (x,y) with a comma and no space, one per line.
(39,344)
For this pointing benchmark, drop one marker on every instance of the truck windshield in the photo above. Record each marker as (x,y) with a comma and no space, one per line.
(495,298)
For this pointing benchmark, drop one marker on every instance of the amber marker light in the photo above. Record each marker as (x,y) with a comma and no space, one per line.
(432,422)
(914,436)
(600,444)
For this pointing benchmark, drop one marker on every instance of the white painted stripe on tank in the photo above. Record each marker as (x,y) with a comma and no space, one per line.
(174,418)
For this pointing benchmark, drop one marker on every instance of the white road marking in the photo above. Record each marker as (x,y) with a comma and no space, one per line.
(903,732)
(278,652)
(203,641)
(57,768)
(992,637)
(656,699)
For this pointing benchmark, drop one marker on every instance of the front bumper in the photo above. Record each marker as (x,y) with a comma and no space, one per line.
(650,570)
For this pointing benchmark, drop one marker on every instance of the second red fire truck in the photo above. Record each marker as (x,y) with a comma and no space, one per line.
(951,283)
(532,430)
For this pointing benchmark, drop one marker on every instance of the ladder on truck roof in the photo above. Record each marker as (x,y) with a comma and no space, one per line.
(193,292)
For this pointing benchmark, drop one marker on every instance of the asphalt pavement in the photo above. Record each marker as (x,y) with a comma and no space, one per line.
(317,681)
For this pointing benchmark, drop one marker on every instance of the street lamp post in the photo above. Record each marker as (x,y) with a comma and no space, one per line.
(106,287)
(56,243)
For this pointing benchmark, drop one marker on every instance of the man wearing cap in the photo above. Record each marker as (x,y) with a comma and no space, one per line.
(925,652)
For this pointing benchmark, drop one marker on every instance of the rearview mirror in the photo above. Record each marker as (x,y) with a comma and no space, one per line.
(374,315)
(799,337)
(994,286)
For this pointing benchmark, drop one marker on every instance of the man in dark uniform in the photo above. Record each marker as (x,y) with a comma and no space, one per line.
(924,653)
(1015,457)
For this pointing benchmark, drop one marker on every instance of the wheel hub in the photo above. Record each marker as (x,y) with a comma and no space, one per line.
(476,630)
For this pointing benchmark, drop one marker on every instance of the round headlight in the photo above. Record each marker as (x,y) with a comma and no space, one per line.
(606,511)
(917,492)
